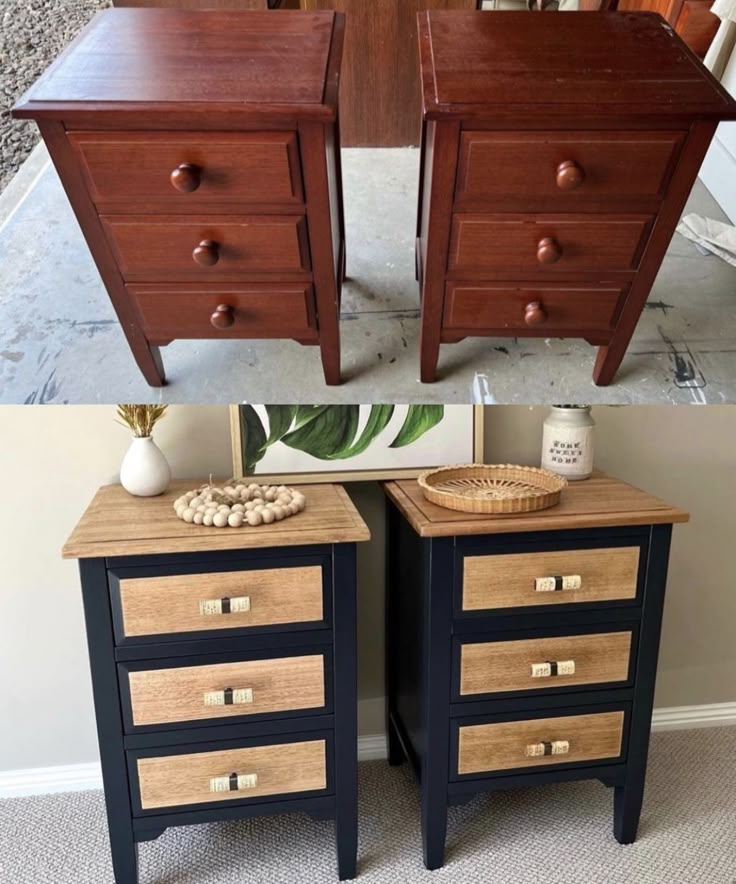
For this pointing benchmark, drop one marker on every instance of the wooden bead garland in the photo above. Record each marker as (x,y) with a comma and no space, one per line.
(236,506)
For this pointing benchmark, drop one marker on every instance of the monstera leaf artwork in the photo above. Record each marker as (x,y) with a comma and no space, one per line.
(275,439)
(329,432)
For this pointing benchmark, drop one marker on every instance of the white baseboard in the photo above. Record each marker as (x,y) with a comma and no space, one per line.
(372,747)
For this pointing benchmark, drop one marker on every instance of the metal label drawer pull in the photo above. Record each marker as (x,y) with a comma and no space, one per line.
(229,697)
(234,783)
(558,583)
(555,747)
(235,605)
(550,668)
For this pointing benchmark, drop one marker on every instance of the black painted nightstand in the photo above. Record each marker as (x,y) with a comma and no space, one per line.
(223,666)
(522,650)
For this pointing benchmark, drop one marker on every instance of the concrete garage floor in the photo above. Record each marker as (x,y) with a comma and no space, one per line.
(60,342)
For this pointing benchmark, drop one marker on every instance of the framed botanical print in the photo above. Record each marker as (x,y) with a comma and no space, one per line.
(352,443)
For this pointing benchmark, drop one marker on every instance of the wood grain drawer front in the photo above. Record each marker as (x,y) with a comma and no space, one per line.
(539,663)
(549,244)
(173,604)
(507,745)
(196,311)
(156,248)
(190,168)
(569,168)
(176,780)
(225,690)
(511,580)
(544,309)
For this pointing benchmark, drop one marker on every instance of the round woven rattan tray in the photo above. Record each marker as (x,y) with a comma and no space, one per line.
(492,488)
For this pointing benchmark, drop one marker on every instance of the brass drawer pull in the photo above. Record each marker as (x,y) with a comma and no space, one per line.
(558,583)
(550,668)
(229,697)
(236,605)
(234,783)
(555,747)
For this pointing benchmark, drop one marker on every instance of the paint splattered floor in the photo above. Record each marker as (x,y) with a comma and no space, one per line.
(60,342)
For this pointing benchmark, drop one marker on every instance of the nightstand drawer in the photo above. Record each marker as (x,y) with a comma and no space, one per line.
(235,773)
(539,742)
(217,601)
(569,308)
(546,243)
(559,577)
(190,168)
(544,663)
(565,168)
(213,691)
(154,248)
(193,310)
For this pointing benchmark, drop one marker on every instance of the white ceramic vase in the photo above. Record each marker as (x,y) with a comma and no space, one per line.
(144,471)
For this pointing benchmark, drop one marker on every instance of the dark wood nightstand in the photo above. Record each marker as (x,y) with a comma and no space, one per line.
(523,649)
(223,666)
(200,153)
(558,154)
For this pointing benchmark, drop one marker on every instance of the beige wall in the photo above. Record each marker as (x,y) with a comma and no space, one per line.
(53,459)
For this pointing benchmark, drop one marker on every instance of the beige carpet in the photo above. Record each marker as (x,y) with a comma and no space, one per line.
(559,834)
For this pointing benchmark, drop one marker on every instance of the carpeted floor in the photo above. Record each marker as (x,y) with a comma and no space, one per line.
(558,834)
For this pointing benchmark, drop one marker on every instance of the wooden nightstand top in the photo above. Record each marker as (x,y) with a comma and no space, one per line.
(118,524)
(516,64)
(598,502)
(249,63)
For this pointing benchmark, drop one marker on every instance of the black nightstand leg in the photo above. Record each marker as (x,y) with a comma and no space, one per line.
(109,723)
(346,715)
(435,769)
(392,659)
(628,798)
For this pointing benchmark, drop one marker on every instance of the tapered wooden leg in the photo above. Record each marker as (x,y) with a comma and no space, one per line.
(441,141)
(319,150)
(608,361)
(344,606)
(396,754)
(627,801)
(124,857)
(149,361)
(434,826)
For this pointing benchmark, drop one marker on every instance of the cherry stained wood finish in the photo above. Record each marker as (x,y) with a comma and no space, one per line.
(157,248)
(501,666)
(169,604)
(140,61)
(146,355)
(548,243)
(691,19)
(229,167)
(380,94)
(502,746)
(177,694)
(595,65)
(175,780)
(190,133)
(508,581)
(566,310)
(521,169)
(194,310)
(570,145)
(193,4)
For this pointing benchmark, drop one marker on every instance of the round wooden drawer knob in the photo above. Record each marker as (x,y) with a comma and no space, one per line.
(185,178)
(535,314)
(206,253)
(569,175)
(548,251)
(223,317)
